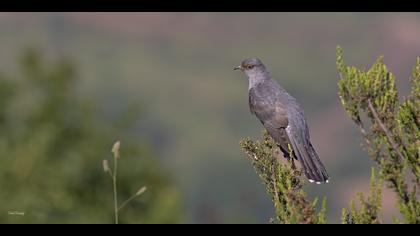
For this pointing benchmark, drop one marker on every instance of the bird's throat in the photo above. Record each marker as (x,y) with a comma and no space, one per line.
(256,78)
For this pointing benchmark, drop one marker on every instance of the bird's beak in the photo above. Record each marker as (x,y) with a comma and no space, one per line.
(238,68)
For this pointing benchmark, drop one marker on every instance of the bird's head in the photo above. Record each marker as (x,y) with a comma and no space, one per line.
(250,66)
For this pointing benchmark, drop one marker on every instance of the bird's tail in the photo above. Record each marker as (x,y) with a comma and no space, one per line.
(316,166)
(312,165)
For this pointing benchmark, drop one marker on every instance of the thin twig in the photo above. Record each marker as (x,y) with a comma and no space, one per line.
(110,174)
(363,131)
(114,180)
(128,201)
(385,130)
(274,179)
(274,182)
(404,196)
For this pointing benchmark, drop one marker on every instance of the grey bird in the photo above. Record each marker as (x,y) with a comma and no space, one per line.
(283,118)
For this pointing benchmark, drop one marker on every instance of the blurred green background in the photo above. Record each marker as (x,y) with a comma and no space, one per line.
(71,84)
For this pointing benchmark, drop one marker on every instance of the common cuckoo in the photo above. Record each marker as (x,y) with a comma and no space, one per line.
(283,118)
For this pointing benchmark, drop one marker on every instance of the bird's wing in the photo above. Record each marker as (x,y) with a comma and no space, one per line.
(274,118)
(304,151)
(273,114)
(259,107)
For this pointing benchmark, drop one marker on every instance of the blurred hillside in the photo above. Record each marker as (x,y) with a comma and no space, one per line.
(176,68)
(52,145)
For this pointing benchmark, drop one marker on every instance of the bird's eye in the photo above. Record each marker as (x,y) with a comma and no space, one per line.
(249,67)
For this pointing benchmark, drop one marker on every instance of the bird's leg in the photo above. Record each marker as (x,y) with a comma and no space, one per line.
(285,153)
(293,163)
